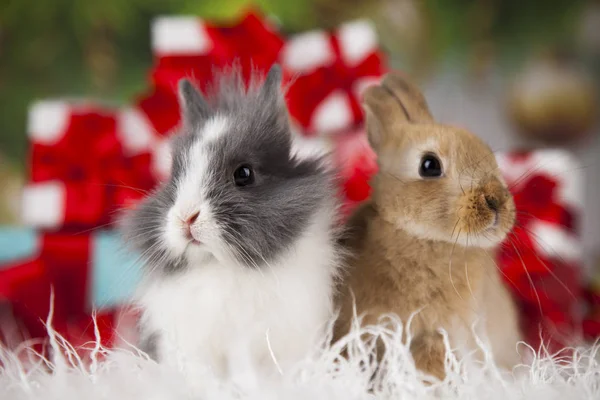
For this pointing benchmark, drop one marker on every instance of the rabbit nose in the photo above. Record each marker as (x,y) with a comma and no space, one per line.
(188,224)
(192,218)
(492,202)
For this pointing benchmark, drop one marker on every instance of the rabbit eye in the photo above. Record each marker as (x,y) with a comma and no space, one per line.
(243,175)
(431,167)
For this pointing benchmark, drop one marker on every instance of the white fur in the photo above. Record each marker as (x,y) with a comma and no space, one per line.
(44,204)
(214,306)
(191,199)
(218,306)
(214,128)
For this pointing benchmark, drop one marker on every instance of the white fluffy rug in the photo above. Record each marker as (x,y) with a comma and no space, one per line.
(129,374)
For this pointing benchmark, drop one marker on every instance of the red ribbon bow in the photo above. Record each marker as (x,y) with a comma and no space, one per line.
(87,165)
(82,159)
(250,42)
(336,80)
(88,141)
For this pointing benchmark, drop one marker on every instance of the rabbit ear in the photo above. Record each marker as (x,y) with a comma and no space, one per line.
(272,83)
(272,99)
(394,102)
(408,96)
(379,109)
(194,108)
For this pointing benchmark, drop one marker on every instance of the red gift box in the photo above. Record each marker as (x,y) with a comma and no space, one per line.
(191,47)
(56,279)
(328,72)
(86,162)
(541,258)
(59,264)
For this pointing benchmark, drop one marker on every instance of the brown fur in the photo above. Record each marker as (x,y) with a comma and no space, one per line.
(427,244)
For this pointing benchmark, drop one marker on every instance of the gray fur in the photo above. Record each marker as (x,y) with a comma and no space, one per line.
(193,106)
(260,221)
(149,343)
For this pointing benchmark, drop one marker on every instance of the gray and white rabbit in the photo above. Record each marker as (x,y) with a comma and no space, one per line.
(239,244)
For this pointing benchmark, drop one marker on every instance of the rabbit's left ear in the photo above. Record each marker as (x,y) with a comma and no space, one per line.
(272,99)
(376,105)
(272,85)
(194,109)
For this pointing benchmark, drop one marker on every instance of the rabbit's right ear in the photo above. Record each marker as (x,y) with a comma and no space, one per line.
(392,103)
(408,96)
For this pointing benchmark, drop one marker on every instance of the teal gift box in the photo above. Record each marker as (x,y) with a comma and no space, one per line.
(111,272)
(115,271)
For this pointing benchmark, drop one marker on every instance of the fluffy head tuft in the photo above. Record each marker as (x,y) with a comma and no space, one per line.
(236,192)
(435,182)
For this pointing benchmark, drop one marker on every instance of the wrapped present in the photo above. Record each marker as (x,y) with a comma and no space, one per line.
(541,259)
(85,273)
(328,72)
(115,272)
(156,115)
(87,161)
(191,47)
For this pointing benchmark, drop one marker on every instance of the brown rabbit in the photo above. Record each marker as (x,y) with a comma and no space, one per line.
(425,240)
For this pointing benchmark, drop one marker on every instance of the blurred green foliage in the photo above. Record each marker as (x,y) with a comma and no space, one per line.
(516,27)
(100,48)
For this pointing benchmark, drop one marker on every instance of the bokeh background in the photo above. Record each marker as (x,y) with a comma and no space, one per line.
(468,55)
(519,73)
